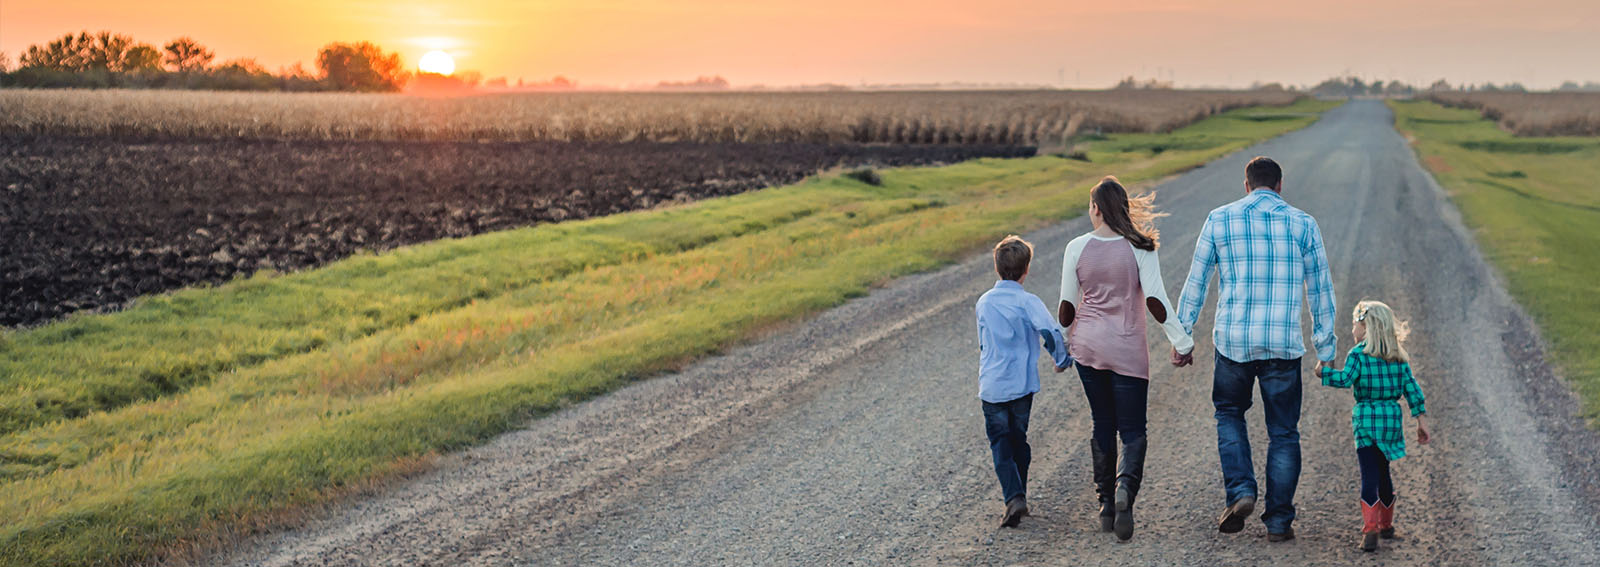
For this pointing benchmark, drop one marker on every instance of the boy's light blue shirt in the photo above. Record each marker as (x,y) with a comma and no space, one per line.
(1010,323)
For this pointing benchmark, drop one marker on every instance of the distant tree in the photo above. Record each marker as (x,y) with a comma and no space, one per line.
(66,53)
(244,65)
(142,58)
(105,51)
(700,83)
(5,62)
(1440,85)
(186,55)
(361,67)
(102,59)
(1573,86)
(1132,83)
(237,75)
(297,78)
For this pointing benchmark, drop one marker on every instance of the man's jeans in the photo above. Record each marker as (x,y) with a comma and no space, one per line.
(1280,398)
(1007,426)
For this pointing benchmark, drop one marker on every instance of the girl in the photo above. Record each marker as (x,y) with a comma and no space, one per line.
(1109,278)
(1377,369)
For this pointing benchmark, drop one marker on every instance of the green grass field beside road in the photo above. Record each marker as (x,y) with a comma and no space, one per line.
(1534,207)
(208,412)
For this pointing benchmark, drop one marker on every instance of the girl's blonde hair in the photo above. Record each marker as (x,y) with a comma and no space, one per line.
(1385,333)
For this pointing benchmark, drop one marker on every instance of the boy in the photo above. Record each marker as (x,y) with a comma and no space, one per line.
(1010,321)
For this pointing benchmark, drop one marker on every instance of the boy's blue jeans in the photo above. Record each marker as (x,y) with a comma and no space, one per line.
(1280,401)
(1007,426)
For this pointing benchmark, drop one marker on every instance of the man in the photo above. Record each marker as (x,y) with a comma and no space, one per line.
(1264,252)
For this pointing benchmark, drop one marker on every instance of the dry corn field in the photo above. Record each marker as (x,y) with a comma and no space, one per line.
(1533,114)
(1036,118)
(116,194)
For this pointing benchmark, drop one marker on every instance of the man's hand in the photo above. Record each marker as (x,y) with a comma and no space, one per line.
(1060,369)
(1182,360)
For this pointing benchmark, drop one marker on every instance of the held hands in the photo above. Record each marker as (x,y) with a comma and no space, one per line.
(1324,367)
(1182,360)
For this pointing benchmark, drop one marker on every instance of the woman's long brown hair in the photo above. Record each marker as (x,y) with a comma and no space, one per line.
(1133,218)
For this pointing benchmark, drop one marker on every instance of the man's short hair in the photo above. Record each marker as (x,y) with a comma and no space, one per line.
(1263,172)
(1011,257)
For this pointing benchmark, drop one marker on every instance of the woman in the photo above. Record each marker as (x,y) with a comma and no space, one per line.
(1109,278)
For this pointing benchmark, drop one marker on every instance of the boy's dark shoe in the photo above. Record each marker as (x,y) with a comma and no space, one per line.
(1369,542)
(1015,510)
(1233,517)
(1285,535)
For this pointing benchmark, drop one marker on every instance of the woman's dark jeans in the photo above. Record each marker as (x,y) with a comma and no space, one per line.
(1007,426)
(1118,405)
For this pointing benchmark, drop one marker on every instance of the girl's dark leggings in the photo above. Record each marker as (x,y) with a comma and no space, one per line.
(1375,483)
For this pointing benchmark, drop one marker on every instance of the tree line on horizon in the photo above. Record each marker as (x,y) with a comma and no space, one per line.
(111,60)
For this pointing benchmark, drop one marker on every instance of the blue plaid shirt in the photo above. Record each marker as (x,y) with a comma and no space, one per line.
(1265,252)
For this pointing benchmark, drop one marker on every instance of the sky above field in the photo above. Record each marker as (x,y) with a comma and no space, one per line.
(1057,42)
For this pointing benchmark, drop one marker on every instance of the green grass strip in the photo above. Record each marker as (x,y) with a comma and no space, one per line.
(1534,207)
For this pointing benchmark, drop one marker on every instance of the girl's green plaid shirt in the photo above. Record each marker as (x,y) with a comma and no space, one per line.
(1378,385)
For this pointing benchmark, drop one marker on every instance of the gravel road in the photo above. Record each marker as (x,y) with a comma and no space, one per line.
(856,436)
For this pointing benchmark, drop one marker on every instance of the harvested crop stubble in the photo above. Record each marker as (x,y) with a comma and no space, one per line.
(1533,114)
(90,223)
(942,117)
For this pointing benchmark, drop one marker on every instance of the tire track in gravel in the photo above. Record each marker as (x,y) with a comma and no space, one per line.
(856,436)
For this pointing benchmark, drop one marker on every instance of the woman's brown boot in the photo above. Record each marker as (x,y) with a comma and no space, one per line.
(1105,482)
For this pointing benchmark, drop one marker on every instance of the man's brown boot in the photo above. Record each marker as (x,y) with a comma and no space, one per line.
(1015,510)
(1233,517)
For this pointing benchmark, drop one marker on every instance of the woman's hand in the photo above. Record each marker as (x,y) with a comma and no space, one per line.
(1422,431)
(1182,360)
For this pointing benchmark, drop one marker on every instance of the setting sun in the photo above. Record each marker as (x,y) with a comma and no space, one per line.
(437,62)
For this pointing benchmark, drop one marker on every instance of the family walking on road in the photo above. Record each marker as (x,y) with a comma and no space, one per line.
(1265,254)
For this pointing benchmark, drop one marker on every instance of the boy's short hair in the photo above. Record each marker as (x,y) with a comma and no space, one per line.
(1011,257)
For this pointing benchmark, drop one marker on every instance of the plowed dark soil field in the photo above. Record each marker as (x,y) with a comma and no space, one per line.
(90,223)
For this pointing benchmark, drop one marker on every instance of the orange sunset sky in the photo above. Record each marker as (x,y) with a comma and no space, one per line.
(1066,42)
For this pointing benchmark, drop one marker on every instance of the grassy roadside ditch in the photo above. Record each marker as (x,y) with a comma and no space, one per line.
(1533,206)
(196,414)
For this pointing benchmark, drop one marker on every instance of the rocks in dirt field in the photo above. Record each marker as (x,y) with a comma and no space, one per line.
(98,221)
